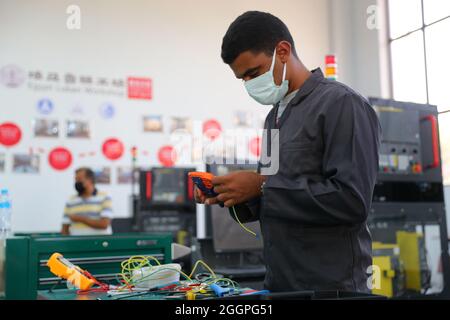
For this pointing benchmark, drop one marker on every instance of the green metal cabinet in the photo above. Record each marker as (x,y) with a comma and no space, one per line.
(26,256)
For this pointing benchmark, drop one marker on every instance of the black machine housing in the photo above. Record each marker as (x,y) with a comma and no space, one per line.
(166,203)
(409,190)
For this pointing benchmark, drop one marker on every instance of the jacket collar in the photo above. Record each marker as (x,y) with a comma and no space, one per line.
(309,85)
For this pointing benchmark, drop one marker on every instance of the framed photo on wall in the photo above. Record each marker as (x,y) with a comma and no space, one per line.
(2,162)
(45,128)
(26,163)
(152,123)
(102,175)
(78,129)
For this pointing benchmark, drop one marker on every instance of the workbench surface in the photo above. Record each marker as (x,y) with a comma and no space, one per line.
(67,294)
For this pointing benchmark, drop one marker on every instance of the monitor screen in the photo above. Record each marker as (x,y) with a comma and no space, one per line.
(228,235)
(165,186)
(169,185)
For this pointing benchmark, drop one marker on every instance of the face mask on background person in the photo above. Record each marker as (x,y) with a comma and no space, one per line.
(263,88)
(79,186)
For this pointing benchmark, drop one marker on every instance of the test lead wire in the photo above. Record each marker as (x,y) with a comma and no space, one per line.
(240,223)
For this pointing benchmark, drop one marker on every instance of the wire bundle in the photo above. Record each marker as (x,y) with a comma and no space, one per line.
(136,263)
(190,285)
(200,286)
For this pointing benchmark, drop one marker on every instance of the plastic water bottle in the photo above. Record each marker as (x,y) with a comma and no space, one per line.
(2,214)
(5,214)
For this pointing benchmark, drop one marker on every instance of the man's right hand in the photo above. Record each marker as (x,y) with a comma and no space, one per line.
(65,230)
(199,196)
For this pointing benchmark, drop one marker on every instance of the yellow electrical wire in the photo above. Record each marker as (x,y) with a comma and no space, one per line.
(138,262)
(203,264)
(240,223)
(135,263)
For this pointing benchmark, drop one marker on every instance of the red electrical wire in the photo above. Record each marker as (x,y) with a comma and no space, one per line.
(103,287)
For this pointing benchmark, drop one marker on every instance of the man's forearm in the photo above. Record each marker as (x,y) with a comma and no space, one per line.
(257,192)
(327,202)
(102,223)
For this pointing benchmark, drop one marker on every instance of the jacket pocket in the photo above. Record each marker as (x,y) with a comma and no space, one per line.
(299,159)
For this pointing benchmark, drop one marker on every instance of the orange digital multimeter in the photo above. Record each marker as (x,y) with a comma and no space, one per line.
(203,181)
(64,269)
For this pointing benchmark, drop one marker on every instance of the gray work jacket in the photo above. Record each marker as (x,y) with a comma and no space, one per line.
(313,211)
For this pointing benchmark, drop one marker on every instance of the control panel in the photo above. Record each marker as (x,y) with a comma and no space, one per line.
(409,149)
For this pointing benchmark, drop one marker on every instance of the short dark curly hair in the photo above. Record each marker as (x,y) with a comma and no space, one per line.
(255,31)
(88,172)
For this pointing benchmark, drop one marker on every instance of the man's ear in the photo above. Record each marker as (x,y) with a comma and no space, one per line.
(284,51)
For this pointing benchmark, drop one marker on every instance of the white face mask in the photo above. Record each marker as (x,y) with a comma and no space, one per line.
(263,88)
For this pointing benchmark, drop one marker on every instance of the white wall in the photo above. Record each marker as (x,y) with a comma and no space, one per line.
(355,45)
(176,43)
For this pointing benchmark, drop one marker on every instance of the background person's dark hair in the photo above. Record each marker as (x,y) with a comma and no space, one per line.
(255,31)
(89,173)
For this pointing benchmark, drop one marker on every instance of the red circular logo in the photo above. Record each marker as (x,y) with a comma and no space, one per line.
(60,158)
(212,129)
(10,134)
(167,156)
(113,149)
(255,146)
